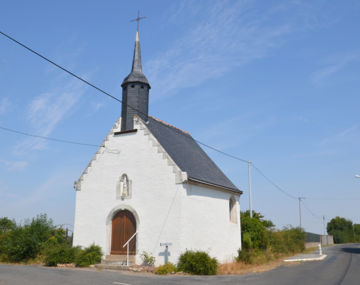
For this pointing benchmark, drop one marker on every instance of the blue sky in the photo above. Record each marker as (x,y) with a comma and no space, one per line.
(274,82)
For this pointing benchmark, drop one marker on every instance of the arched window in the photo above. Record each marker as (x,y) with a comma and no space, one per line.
(123,189)
(232,210)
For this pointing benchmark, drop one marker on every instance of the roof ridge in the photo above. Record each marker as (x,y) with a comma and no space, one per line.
(169,125)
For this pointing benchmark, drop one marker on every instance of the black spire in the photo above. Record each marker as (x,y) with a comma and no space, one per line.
(135,97)
(136,74)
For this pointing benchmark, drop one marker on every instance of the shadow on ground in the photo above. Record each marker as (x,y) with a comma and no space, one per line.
(355,250)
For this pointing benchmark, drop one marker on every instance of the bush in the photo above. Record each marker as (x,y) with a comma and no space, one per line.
(59,254)
(147,258)
(88,256)
(21,243)
(197,262)
(57,249)
(168,268)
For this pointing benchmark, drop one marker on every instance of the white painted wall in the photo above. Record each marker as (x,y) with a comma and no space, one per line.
(188,216)
(206,225)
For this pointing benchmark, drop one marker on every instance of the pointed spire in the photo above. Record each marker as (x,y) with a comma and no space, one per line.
(136,74)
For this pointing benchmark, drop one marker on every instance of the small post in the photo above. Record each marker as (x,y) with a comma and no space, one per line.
(320,249)
(250,190)
(127,254)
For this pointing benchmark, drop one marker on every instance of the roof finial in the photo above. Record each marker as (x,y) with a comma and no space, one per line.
(138,19)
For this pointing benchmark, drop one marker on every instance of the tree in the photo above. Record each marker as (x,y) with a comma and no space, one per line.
(357,232)
(6,225)
(341,229)
(255,230)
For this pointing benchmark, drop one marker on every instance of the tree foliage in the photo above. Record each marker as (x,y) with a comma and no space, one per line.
(6,225)
(341,229)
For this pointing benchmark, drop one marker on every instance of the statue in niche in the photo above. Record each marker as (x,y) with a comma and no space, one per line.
(124,187)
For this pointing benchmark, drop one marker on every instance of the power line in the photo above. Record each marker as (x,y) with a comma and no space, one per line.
(274,184)
(107,93)
(120,101)
(47,138)
(61,67)
(311,212)
(222,152)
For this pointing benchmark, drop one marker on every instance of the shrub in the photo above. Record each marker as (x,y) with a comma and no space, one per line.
(254,256)
(197,262)
(147,258)
(19,245)
(59,254)
(168,268)
(88,256)
(244,256)
(57,249)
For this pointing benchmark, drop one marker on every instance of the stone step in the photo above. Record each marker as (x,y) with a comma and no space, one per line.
(118,260)
(111,266)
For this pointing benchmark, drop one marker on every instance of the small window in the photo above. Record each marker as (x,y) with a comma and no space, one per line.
(232,210)
(142,86)
(132,86)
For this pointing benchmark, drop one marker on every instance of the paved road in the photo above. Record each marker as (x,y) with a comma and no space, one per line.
(342,266)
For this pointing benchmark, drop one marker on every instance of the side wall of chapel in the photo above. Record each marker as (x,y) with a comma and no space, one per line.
(206,222)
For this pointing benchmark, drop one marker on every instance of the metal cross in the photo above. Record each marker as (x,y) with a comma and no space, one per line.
(138,19)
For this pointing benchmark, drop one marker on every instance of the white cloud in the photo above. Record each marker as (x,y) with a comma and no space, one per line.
(14,165)
(342,136)
(335,64)
(227,35)
(4,105)
(47,110)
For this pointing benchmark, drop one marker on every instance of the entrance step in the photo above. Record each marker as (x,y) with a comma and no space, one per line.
(118,260)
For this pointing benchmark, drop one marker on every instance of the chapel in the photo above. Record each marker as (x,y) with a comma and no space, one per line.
(151,188)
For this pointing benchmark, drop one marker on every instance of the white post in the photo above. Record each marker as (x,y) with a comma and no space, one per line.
(250,190)
(320,249)
(127,254)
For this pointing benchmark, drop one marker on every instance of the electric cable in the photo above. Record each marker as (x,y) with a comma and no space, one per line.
(47,138)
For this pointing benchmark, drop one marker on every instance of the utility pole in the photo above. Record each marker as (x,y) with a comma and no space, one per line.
(300,198)
(250,190)
(324,225)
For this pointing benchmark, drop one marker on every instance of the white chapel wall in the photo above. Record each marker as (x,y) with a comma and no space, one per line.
(206,223)
(155,196)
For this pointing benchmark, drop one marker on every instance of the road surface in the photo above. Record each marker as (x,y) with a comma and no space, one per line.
(342,266)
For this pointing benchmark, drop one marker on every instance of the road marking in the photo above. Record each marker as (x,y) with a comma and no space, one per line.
(119,283)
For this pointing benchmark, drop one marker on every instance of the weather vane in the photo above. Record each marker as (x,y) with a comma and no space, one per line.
(138,19)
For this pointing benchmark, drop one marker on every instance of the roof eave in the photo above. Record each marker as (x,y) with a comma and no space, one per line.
(233,190)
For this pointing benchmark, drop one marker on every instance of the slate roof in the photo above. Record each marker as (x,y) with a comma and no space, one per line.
(188,155)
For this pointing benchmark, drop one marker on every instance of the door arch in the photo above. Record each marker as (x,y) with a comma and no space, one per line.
(123,228)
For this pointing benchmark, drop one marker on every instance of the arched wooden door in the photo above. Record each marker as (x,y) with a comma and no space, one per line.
(123,228)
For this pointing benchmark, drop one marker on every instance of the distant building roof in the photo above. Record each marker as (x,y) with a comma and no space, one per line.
(189,156)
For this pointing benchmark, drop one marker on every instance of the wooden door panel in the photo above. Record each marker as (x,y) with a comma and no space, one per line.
(123,227)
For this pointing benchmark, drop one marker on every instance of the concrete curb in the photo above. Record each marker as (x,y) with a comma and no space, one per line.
(321,257)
